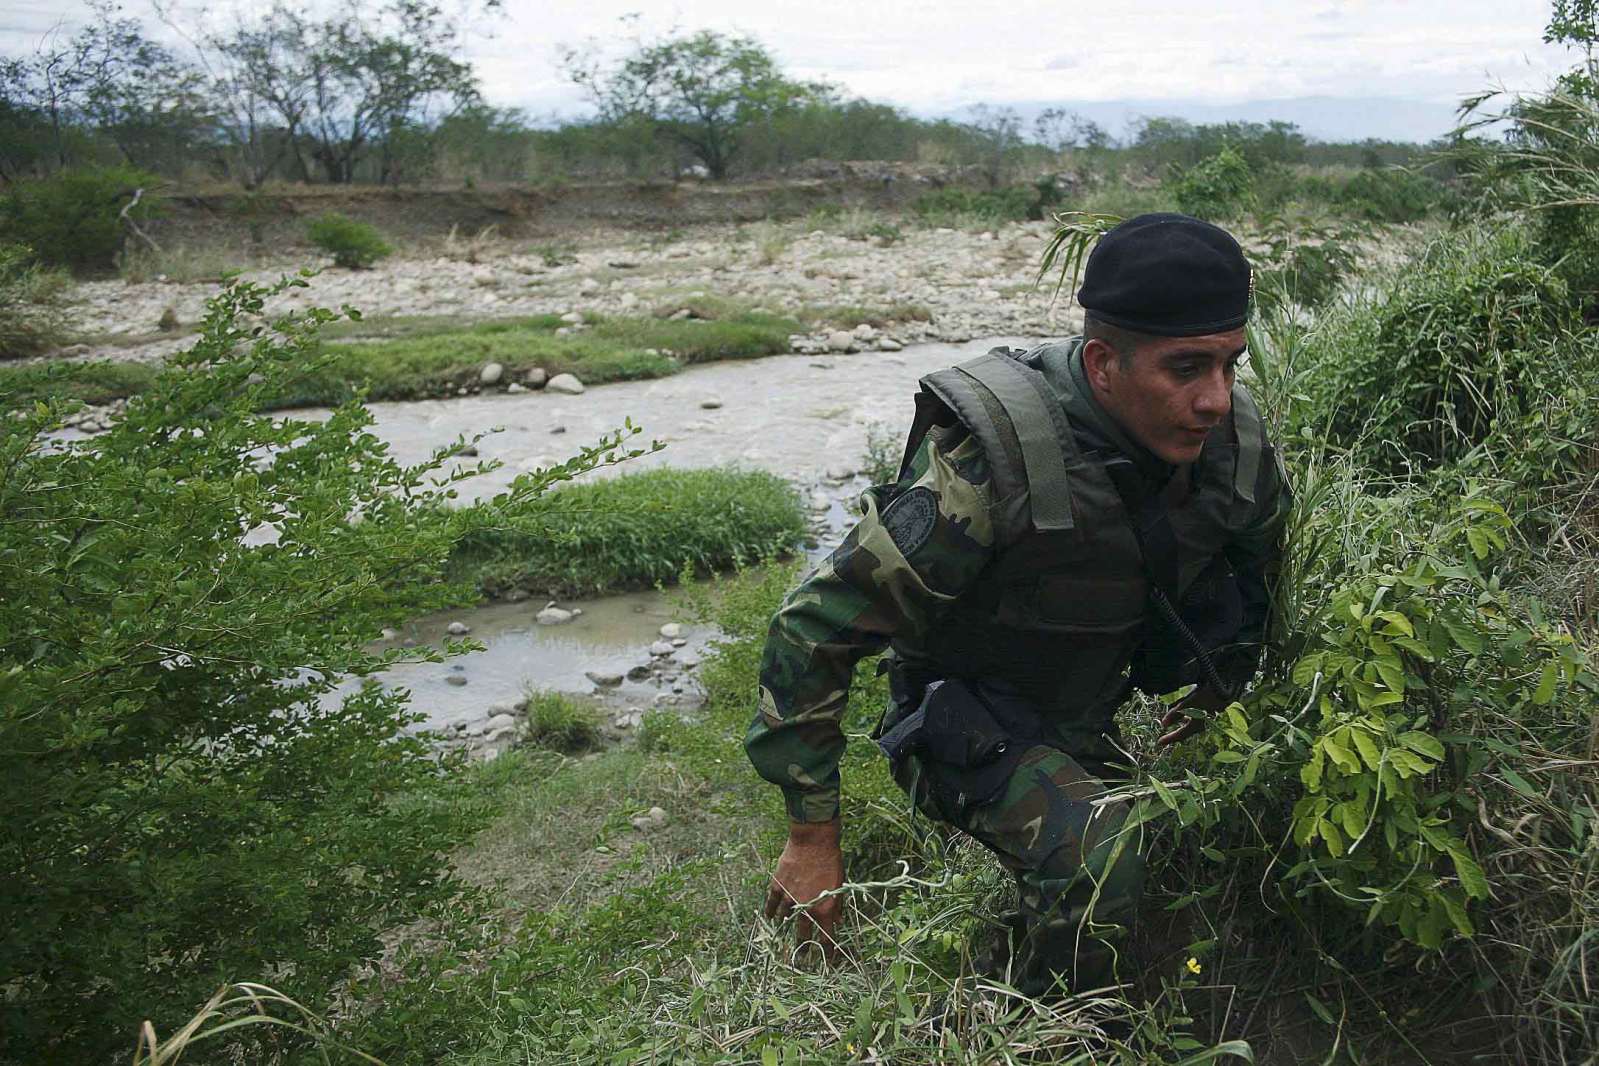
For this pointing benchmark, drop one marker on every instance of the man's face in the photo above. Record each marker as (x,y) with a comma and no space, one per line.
(1172,393)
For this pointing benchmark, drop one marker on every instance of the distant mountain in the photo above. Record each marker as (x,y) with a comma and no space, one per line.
(1325,118)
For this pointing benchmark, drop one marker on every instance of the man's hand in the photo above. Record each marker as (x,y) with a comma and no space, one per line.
(811,864)
(1181,724)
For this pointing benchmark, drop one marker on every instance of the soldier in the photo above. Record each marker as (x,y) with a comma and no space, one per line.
(1068,523)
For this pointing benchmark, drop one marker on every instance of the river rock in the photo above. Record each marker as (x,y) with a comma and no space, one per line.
(841,340)
(491,373)
(389,634)
(628,719)
(671,631)
(604,679)
(678,642)
(820,501)
(866,331)
(515,387)
(889,344)
(554,616)
(661,648)
(587,286)
(629,300)
(567,384)
(458,629)
(840,473)
(573,318)
(455,679)
(689,662)
(711,403)
(496,722)
(536,378)
(641,672)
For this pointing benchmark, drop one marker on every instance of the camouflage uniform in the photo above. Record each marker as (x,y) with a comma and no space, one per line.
(923,549)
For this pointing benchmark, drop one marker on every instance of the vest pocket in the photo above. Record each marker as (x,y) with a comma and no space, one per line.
(1104,604)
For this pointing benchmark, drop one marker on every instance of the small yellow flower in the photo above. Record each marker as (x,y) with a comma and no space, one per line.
(1193,965)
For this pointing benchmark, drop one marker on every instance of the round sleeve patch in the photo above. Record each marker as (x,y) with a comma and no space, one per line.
(909,519)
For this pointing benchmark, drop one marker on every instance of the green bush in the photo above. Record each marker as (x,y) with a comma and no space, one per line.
(1474,351)
(634,531)
(353,244)
(1392,196)
(30,318)
(560,722)
(955,206)
(1216,189)
(72,219)
(188,799)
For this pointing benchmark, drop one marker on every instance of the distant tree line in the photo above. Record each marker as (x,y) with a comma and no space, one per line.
(380,92)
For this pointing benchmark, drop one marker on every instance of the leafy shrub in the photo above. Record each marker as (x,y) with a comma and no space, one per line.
(1215,189)
(30,320)
(634,531)
(1477,341)
(1392,196)
(559,722)
(188,800)
(954,206)
(1305,264)
(353,244)
(72,219)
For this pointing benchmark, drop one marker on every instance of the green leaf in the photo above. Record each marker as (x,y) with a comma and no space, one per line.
(1366,746)
(1310,773)
(1464,636)
(1457,914)
(1519,783)
(1227,755)
(1392,675)
(1546,683)
(1423,743)
(1319,1009)
(1472,879)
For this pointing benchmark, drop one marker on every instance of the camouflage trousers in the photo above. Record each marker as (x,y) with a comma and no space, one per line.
(1079,867)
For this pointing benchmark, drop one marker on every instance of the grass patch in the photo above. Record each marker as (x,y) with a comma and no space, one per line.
(92,383)
(557,721)
(634,531)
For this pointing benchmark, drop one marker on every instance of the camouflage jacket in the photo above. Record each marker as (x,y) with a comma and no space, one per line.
(868,592)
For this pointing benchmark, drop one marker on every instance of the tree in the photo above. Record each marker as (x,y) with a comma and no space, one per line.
(1058,129)
(704,91)
(998,134)
(331,92)
(111,79)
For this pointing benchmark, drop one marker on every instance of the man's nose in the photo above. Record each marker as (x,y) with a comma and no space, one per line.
(1215,399)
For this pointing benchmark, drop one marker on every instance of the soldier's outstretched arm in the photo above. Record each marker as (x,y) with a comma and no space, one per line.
(918,546)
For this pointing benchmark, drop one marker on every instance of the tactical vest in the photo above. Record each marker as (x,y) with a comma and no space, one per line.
(1061,610)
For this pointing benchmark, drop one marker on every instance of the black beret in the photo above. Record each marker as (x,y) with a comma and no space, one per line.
(1167,274)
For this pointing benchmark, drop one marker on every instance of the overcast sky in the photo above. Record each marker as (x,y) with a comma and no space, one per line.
(1338,67)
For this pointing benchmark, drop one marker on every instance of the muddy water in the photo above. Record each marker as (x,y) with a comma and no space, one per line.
(797,416)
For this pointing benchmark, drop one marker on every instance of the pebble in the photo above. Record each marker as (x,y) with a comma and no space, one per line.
(515,387)
(553,616)
(389,634)
(604,679)
(497,722)
(889,344)
(678,642)
(654,818)
(567,384)
(661,648)
(641,672)
(690,661)
(710,403)
(458,629)
(573,318)
(455,679)
(841,340)
(536,378)
(629,300)
(671,631)
(491,373)
(555,430)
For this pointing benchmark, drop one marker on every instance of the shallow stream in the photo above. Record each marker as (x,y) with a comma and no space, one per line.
(803,417)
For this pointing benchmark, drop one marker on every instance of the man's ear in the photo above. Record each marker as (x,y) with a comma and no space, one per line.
(1100,363)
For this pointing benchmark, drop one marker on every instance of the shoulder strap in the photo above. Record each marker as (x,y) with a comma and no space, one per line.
(1041,431)
(1251,441)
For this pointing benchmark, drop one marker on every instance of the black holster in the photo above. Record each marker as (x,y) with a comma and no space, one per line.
(968,740)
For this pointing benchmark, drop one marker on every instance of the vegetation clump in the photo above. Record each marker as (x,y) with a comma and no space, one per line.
(193,790)
(75,218)
(559,722)
(634,531)
(30,316)
(353,244)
